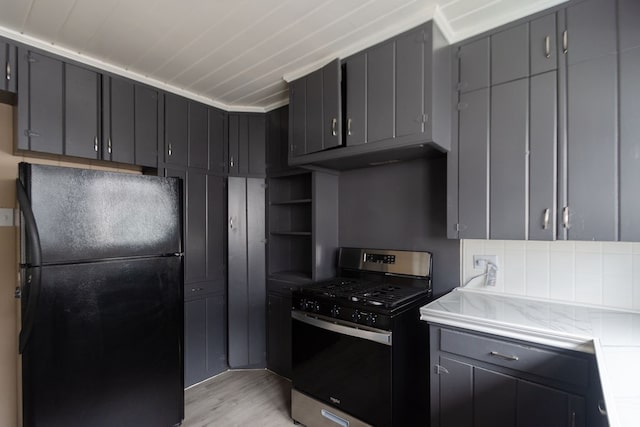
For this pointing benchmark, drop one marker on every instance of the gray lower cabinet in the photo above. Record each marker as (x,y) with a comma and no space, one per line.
(8,67)
(483,380)
(279,331)
(118,116)
(205,352)
(81,112)
(246,272)
(40,103)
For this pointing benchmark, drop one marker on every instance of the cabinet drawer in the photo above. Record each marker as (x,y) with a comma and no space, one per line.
(533,360)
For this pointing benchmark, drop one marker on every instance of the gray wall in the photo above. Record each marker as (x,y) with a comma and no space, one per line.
(401,206)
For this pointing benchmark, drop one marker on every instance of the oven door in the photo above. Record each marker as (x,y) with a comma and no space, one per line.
(345,366)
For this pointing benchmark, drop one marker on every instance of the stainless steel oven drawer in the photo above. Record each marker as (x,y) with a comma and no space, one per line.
(311,412)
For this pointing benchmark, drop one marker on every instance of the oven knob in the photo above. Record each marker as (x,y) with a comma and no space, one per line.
(356,316)
(315,307)
(335,311)
(371,319)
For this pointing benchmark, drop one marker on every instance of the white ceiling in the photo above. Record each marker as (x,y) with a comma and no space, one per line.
(235,54)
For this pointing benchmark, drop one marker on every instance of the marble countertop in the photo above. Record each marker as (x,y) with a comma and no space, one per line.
(612,335)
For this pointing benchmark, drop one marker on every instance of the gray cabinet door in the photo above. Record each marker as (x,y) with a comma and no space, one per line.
(40,103)
(543,137)
(494,398)
(256,270)
(279,334)
(455,386)
(195,339)
(81,109)
(198,153)
(473,166)
(146,126)
(508,164)
(176,130)
(356,70)
(543,44)
(474,65)
(592,149)
(218,144)
(257,144)
(629,145)
(410,84)
(243,145)
(195,253)
(8,67)
(237,293)
(543,406)
(118,120)
(297,116)
(234,144)
(510,54)
(381,92)
(216,322)
(216,247)
(629,17)
(331,105)
(314,119)
(591,30)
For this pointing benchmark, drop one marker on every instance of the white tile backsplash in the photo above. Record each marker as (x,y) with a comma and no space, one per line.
(599,273)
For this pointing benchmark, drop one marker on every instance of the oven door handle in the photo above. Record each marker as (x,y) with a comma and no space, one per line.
(381,337)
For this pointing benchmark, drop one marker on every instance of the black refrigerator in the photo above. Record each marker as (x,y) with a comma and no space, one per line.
(101,297)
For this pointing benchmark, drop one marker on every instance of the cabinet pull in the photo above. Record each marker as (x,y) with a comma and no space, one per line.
(109,146)
(565,42)
(8,70)
(292,148)
(196,289)
(439,370)
(349,127)
(504,356)
(565,217)
(231,223)
(545,219)
(231,161)
(547,47)
(95,144)
(334,123)
(169,150)
(573,418)
(601,408)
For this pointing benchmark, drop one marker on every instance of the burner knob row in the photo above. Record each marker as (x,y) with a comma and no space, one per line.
(308,305)
(362,317)
(335,311)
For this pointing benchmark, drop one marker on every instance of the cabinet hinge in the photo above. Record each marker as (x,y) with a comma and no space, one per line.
(439,370)
(462,106)
(30,133)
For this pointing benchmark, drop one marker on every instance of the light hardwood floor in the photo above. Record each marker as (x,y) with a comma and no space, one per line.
(239,398)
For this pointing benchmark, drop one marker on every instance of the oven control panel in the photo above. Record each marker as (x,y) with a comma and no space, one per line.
(341,312)
(380,258)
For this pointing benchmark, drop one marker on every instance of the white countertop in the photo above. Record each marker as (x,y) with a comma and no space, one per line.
(613,335)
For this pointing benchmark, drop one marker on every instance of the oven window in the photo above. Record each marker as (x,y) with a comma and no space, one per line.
(349,373)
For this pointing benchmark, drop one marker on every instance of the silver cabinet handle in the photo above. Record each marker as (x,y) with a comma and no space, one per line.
(504,356)
(565,217)
(231,161)
(573,418)
(196,289)
(8,70)
(334,123)
(601,408)
(109,146)
(95,144)
(231,223)
(565,42)
(545,219)
(547,47)
(349,127)
(169,150)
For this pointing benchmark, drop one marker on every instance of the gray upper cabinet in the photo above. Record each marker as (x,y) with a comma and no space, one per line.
(590,30)
(146,126)
(218,141)
(297,117)
(380,92)
(8,67)
(473,158)
(247,144)
(543,49)
(510,54)
(629,16)
(81,112)
(331,105)
(315,120)
(40,103)
(176,130)
(508,154)
(118,115)
(410,79)
(257,144)
(543,147)
(198,136)
(356,102)
(474,65)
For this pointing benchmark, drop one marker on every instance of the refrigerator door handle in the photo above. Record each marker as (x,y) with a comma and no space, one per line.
(35,258)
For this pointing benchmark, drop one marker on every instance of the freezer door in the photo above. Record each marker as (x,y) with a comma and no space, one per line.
(106,346)
(93,215)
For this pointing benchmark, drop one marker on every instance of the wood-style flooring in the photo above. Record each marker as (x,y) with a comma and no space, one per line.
(239,398)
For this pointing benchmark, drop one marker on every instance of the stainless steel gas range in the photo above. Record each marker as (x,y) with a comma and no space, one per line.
(360,352)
